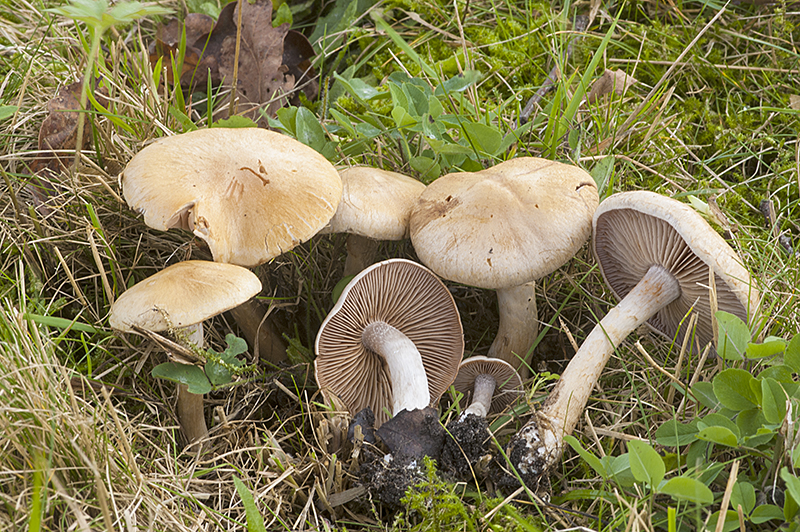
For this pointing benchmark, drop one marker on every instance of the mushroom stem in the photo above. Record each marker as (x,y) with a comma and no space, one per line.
(260,333)
(539,444)
(482,391)
(361,253)
(189,407)
(409,380)
(518,327)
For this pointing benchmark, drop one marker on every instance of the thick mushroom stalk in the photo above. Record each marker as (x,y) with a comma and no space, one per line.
(409,381)
(540,442)
(189,407)
(518,327)
(482,392)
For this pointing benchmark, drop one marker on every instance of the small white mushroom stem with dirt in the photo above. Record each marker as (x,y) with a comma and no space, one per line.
(483,390)
(659,256)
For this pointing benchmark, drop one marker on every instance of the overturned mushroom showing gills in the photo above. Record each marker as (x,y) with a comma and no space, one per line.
(182,296)
(492,385)
(392,342)
(503,228)
(656,254)
(249,193)
(376,205)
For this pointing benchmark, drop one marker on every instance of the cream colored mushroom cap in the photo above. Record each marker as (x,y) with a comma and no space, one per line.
(407,296)
(250,193)
(186,293)
(375,203)
(508,387)
(636,230)
(504,226)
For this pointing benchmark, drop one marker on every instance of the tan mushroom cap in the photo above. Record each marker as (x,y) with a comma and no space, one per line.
(407,296)
(636,230)
(187,293)
(250,193)
(375,203)
(508,382)
(504,226)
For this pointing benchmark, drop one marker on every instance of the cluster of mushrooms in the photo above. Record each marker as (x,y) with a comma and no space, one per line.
(393,343)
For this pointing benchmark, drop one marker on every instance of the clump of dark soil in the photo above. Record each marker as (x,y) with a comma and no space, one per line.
(468,440)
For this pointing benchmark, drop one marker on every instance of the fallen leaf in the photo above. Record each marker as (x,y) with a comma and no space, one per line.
(794,102)
(612,81)
(168,39)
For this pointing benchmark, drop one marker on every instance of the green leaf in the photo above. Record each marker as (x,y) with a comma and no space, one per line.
(282,16)
(458,83)
(217,374)
(749,421)
(486,139)
(7,111)
(744,494)
(731,520)
(417,100)
(769,347)
(780,373)
(734,336)
(793,489)
(791,357)
(236,346)
(255,522)
(720,435)
(589,457)
(339,288)
(672,433)
(764,513)
(192,376)
(426,166)
(620,469)
(360,89)
(235,121)
(704,393)
(688,489)
(773,400)
(732,388)
(646,464)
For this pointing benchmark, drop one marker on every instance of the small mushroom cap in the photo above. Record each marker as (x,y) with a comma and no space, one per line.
(504,226)
(407,296)
(251,194)
(509,384)
(186,293)
(375,204)
(636,230)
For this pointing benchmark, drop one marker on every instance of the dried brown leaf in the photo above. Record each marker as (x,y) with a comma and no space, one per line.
(612,81)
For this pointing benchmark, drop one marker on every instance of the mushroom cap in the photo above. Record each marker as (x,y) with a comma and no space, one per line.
(636,230)
(186,293)
(504,226)
(250,193)
(375,203)
(407,296)
(508,382)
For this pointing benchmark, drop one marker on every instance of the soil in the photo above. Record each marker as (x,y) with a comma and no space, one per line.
(468,440)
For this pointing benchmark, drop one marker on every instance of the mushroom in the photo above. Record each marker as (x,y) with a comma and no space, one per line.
(392,340)
(250,194)
(503,228)
(658,255)
(376,205)
(493,386)
(182,296)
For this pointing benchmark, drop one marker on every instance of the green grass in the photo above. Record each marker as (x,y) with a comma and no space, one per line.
(714,121)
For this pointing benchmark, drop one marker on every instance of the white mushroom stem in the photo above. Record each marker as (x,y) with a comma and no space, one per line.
(361,252)
(189,408)
(518,327)
(482,392)
(409,380)
(542,436)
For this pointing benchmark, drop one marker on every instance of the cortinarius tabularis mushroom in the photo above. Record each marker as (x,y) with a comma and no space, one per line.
(503,228)
(657,254)
(182,296)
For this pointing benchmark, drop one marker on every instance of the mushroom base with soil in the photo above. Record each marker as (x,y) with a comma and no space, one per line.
(467,442)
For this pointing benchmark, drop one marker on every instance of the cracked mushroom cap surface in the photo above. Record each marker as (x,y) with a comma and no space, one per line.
(636,230)
(375,203)
(508,384)
(250,193)
(183,294)
(504,226)
(407,296)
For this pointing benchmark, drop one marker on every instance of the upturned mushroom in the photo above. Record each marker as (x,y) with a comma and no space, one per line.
(250,194)
(658,256)
(490,385)
(376,205)
(181,297)
(391,345)
(503,228)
